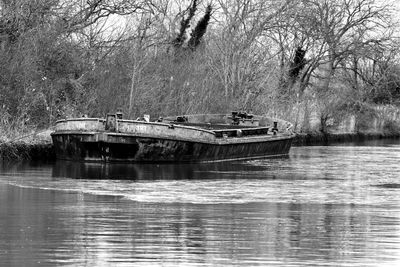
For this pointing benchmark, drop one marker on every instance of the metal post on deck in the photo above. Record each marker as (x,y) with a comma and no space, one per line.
(275,129)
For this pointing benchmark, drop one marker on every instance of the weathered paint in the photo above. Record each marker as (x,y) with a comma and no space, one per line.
(164,130)
(136,141)
(141,149)
(80,124)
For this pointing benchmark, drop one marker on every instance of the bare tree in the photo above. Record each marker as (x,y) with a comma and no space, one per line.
(241,54)
(51,47)
(328,34)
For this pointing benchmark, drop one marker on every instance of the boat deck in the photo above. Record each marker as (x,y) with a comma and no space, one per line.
(228,130)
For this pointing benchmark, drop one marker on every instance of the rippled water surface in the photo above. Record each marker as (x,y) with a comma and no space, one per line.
(320,206)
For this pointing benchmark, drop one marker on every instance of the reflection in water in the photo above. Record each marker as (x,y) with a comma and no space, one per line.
(80,170)
(322,206)
(102,231)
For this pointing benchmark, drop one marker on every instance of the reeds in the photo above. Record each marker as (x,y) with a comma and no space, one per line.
(22,143)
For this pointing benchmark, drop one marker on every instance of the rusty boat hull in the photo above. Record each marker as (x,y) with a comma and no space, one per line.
(202,138)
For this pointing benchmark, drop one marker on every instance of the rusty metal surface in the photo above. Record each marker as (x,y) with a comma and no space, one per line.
(138,149)
(138,141)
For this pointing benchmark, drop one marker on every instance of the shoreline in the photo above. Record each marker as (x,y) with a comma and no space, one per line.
(44,151)
(309,139)
(22,151)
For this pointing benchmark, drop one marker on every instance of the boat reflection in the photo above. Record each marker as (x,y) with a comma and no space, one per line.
(84,170)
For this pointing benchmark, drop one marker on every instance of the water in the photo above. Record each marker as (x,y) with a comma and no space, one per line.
(320,206)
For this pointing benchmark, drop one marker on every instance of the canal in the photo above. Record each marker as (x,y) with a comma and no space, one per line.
(335,205)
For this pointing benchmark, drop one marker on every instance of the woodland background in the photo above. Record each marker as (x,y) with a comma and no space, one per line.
(324,65)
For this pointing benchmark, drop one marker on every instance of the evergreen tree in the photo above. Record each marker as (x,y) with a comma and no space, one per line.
(200,29)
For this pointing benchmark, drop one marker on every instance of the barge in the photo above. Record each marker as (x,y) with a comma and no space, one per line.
(188,138)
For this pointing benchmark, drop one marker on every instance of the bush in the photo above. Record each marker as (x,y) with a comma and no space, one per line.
(391,127)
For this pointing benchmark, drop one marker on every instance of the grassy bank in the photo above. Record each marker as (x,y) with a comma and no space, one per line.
(18,151)
(34,145)
(307,139)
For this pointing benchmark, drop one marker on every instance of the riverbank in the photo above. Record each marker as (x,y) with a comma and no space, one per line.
(43,150)
(20,151)
(308,139)
(32,146)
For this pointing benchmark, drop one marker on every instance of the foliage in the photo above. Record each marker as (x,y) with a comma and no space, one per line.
(163,57)
(200,29)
